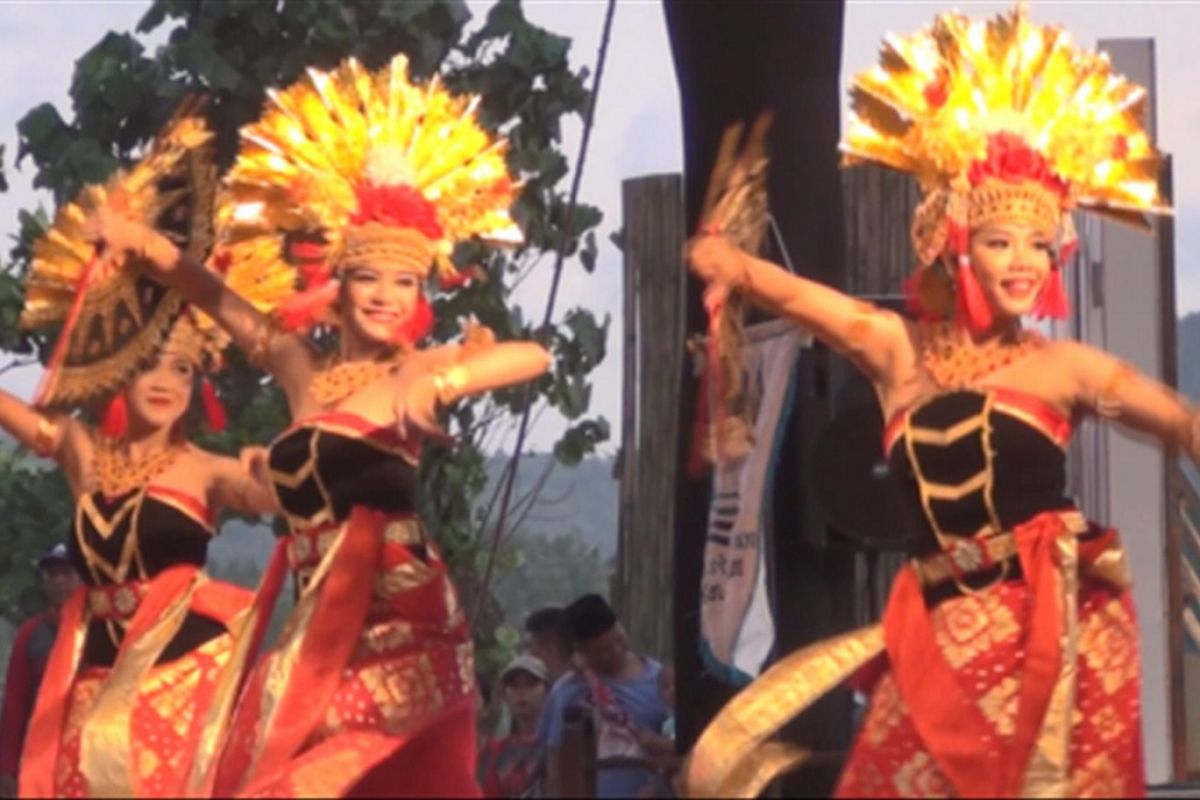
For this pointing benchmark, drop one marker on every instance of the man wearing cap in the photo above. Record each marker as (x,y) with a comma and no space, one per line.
(619,688)
(56,579)
(512,766)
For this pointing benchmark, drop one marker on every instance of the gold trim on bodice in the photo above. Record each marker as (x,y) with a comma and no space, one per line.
(316,427)
(114,594)
(982,481)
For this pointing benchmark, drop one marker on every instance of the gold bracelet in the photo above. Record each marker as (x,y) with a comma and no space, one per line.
(1191,435)
(450,383)
(45,438)
(742,281)
(1109,401)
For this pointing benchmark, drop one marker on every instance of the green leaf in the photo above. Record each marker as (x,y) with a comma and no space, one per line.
(37,126)
(507,637)
(587,256)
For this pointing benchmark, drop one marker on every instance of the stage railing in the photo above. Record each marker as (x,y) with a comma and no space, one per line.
(1184,523)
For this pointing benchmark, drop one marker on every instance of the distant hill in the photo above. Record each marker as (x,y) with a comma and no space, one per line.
(580,501)
(1188,332)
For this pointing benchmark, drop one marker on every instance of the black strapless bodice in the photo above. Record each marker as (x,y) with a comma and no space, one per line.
(968,460)
(325,466)
(133,537)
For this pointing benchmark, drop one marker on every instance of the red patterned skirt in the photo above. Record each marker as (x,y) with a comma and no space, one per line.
(981,638)
(370,689)
(1025,687)
(1029,687)
(132,729)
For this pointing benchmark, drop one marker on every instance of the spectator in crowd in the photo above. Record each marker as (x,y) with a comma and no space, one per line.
(56,580)
(512,765)
(549,635)
(619,688)
(660,745)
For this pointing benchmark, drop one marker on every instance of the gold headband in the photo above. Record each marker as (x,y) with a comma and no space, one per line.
(992,200)
(202,346)
(374,244)
(1028,202)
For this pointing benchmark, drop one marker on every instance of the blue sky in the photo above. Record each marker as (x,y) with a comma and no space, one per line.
(637,130)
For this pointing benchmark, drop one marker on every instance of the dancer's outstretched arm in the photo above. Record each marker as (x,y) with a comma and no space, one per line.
(875,339)
(54,436)
(287,357)
(446,374)
(1113,389)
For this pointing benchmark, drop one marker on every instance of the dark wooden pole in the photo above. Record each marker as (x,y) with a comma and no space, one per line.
(654,351)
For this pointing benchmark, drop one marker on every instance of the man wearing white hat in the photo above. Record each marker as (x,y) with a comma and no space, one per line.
(512,766)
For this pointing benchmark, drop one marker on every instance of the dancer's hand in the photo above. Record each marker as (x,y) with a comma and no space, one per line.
(117,234)
(716,260)
(416,408)
(115,231)
(254,461)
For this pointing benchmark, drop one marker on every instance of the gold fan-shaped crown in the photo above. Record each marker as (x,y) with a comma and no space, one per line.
(363,160)
(123,316)
(965,100)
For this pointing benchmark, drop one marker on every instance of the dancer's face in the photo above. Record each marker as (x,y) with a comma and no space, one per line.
(158,396)
(1012,261)
(377,301)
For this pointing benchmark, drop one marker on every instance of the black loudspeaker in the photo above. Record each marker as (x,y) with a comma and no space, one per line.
(860,498)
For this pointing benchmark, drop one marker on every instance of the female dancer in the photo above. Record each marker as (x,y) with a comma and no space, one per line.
(140,645)
(1010,662)
(368,181)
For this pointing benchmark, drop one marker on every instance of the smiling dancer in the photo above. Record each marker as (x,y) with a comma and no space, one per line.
(141,644)
(1009,658)
(368,181)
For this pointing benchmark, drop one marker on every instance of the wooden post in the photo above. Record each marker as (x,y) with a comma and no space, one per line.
(654,351)
(878,204)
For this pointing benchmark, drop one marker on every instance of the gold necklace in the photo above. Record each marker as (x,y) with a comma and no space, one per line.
(954,364)
(117,473)
(341,379)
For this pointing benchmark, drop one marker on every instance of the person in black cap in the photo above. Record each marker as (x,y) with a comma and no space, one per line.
(619,688)
(56,579)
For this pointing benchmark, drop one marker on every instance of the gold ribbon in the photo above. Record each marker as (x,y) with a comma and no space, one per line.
(732,757)
(106,759)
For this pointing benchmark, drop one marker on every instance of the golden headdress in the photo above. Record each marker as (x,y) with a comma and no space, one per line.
(1003,118)
(114,317)
(351,167)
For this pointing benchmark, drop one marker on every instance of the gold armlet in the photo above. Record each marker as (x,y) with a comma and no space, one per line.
(450,383)
(1109,400)
(45,437)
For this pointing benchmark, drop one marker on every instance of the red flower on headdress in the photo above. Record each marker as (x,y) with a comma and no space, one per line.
(222,260)
(936,91)
(1010,158)
(1120,147)
(400,205)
